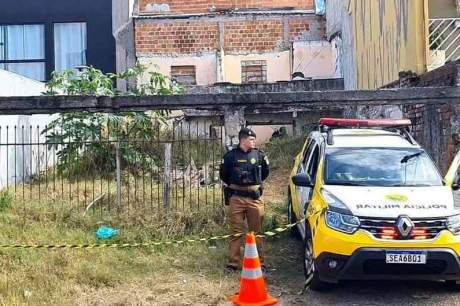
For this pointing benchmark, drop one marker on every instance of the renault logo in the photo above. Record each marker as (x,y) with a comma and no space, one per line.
(405,226)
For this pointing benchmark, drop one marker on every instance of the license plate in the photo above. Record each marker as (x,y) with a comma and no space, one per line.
(406,257)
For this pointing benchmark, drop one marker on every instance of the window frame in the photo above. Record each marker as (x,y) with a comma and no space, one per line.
(53,40)
(26,61)
(313,163)
(254,63)
(182,67)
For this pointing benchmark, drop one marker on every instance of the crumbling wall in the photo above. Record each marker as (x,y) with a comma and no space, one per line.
(194,6)
(435,127)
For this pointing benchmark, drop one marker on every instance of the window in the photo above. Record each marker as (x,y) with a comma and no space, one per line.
(22,50)
(380,167)
(69,45)
(184,75)
(311,145)
(306,157)
(313,165)
(253,71)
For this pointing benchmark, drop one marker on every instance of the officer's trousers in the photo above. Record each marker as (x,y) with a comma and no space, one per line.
(241,208)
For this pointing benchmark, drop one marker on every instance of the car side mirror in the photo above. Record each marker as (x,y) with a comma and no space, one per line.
(456,183)
(302,180)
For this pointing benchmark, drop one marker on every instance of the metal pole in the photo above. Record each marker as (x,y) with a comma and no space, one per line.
(167,177)
(118,174)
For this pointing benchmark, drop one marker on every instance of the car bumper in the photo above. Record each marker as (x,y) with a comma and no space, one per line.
(362,256)
(369,263)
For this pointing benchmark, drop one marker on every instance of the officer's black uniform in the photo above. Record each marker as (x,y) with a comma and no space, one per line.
(244,173)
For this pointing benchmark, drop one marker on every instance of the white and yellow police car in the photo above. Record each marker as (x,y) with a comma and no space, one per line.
(375,205)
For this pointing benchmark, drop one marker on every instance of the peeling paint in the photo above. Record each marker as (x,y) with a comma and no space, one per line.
(278,66)
(206,71)
(394,26)
(316,59)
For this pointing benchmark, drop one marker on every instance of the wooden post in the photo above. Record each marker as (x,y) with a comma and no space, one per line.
(167,177)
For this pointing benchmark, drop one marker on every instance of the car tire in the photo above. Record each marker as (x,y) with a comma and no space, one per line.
(292,218)
(312,278)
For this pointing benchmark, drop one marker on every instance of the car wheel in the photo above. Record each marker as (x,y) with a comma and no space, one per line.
(312,279)
(292,218)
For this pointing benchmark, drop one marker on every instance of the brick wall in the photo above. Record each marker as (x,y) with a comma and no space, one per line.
(203,6)
(254,36)
(435,127)
(240,34)
(176,37)
(447,75)
(432,128)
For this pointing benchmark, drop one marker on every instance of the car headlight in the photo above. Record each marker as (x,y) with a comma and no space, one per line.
(453,224)
(341,222)
(338,216)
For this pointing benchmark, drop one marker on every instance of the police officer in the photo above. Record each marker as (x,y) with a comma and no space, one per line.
(243,170)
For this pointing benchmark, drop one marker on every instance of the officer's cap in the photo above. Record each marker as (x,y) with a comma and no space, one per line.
(246,132)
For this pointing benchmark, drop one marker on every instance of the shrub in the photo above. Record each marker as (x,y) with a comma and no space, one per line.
(87,141)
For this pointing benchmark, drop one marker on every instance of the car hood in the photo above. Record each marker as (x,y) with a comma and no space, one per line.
(391,202)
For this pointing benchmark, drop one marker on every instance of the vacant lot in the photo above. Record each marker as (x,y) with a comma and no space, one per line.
(190,274)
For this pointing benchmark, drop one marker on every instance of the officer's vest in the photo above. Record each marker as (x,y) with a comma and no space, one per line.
(247,168)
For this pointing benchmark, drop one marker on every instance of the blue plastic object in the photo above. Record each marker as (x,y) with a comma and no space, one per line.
(105,232)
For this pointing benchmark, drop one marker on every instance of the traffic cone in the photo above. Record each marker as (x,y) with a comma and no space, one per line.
(252,287)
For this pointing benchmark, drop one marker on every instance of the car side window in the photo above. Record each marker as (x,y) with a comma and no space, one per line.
(306,157)
(303,162)
(313,163)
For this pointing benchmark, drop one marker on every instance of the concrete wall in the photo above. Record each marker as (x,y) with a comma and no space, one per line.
(197,6)
(339,31)
(123,32)
(435,127)
(206,65)
(287,41)
(442,9)
(316,59)
(17,162)
(278,66)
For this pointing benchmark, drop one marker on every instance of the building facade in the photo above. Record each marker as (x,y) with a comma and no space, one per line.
(379,39)
(206,42)
(40,36)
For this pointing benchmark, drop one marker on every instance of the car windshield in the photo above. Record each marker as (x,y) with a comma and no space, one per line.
(380,167)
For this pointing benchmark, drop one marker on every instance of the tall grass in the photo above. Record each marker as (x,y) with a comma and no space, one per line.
(165,275)
(282,151)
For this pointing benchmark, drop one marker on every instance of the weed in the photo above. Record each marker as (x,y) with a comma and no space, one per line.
(6,199)
(282,151)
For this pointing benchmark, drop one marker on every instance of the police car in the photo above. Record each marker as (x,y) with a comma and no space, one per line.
(375,205)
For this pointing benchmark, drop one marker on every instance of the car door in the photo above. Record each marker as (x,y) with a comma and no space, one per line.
(452,173)
(451,179)
(308,165)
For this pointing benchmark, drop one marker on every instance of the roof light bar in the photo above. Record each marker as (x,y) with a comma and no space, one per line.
(364,122)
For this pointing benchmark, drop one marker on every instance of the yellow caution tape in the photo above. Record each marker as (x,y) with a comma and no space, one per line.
(269,233)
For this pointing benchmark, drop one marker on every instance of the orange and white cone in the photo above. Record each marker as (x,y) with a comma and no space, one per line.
(252,287)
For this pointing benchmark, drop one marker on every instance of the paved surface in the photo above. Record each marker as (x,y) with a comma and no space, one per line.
(285,279)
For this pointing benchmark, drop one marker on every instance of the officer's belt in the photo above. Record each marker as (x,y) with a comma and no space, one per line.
(251,188)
